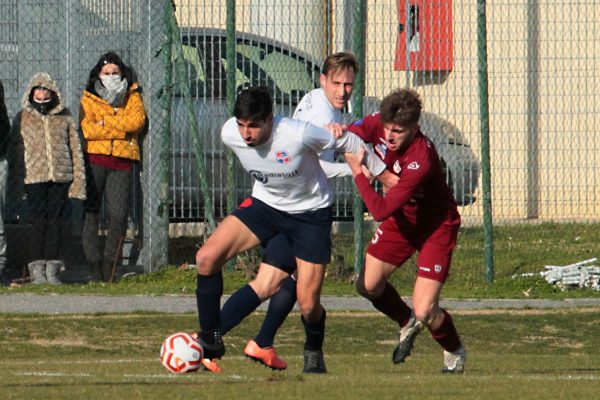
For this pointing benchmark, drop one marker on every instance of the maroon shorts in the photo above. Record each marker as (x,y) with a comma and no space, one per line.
(394,244)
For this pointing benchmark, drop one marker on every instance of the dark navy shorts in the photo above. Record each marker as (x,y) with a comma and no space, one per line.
(279,253)
(308,233)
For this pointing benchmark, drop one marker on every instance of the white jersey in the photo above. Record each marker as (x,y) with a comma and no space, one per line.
(316,109)
(286,171)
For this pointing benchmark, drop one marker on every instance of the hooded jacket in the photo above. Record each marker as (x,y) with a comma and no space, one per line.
(46,148)
(119,134)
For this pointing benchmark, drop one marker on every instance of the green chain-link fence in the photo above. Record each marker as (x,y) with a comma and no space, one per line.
(66,39)
(191,57)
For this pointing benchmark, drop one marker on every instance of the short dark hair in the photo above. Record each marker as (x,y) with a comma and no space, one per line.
(108,58)
(341,61)
(401,107)
(254,104)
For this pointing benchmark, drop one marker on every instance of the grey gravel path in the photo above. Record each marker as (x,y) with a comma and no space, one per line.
(76,304)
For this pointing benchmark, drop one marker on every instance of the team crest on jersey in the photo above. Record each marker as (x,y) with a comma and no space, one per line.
(397,168)
(413,165)
(438,268)
(282,157)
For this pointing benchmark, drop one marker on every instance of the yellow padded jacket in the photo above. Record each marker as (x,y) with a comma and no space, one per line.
(119,136)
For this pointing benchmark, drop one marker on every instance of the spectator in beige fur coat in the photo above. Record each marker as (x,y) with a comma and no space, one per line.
(46,162)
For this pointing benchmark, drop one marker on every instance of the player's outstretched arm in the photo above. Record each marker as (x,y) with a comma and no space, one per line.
(355,160)
(335,169)
(352,143)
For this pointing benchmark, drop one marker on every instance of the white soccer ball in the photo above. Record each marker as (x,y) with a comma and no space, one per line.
(181,353)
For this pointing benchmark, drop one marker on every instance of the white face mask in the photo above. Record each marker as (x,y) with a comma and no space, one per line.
(111,82)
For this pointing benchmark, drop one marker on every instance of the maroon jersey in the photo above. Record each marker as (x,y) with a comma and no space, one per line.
(421,194)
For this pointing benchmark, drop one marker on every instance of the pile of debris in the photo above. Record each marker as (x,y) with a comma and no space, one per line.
(581,274)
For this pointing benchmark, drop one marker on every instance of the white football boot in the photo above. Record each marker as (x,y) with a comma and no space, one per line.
(455,362)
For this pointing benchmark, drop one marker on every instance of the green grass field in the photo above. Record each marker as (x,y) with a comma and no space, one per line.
(517,249)
(528,354)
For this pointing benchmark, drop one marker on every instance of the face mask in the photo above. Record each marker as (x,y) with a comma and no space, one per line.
(111,82)
(43,107)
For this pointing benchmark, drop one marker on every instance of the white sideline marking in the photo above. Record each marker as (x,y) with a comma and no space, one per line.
(239,377)
(122,361)
(540,377)
(192,375)
(154,376)
(568,377)
(57,374)
(79,362)
(135,376)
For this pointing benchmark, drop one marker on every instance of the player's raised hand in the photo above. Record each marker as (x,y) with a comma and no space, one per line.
(355,160)
(336,129)
(367,174)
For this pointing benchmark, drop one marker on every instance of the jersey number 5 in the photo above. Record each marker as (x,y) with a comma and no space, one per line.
(378,233)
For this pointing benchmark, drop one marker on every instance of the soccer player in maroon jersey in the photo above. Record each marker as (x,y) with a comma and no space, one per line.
(418,214)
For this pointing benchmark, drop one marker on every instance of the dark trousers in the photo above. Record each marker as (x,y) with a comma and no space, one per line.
(47,204)
(116,187)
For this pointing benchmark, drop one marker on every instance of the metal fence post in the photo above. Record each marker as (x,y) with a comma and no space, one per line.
(155,231)
(533,115)
(230,56)
(165,94)
(485,141)
(358,16)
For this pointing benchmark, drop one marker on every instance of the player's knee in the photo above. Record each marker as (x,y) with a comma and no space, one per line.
(264,289)
(205,262)
(368,292)
(310,310)
(360,288)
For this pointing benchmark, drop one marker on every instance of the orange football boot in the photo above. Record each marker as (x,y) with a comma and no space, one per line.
(267,356)
(211,365)
(207,363)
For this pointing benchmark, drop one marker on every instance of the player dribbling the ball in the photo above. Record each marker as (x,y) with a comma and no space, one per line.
(291,196)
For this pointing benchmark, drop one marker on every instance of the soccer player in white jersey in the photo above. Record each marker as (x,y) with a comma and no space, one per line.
(291,196)
(324,105)
(274,279)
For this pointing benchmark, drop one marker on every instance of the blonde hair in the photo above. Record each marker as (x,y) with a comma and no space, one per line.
(341,61)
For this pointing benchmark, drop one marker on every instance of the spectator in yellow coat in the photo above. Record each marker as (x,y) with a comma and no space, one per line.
(112,117)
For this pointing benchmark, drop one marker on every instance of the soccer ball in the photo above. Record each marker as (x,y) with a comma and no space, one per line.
(181,353)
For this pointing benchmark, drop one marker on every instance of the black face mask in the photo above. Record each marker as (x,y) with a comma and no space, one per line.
(45,107)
